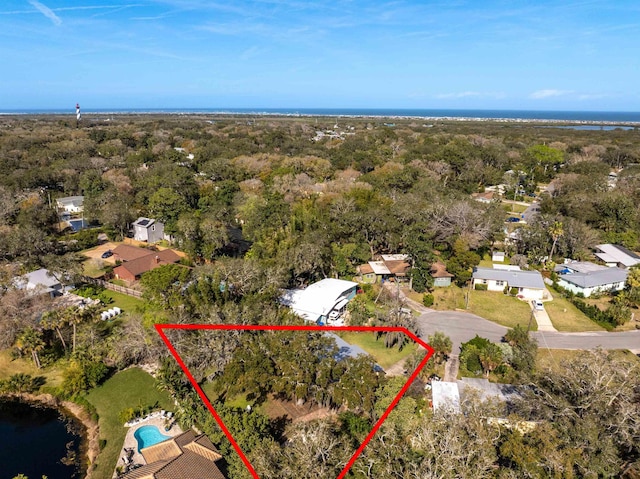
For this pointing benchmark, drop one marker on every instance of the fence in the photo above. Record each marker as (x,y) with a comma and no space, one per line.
(115,287)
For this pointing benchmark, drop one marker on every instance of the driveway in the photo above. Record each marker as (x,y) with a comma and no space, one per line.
(542,318)
(461,327)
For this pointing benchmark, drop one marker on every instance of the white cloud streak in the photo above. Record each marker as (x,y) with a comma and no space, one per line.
(47,12)
(548,93)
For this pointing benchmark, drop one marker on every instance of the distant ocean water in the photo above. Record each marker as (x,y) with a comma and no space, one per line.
(512,115)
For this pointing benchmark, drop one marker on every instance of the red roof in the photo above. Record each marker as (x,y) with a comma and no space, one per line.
(152,260)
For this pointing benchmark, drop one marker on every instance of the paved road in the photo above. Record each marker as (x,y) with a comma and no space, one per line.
(462,327)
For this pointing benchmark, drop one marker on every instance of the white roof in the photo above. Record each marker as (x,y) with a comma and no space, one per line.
(446,396)
(394,257)
(317,299)
(379,267)
(70,201)
(610,253)
(38,278)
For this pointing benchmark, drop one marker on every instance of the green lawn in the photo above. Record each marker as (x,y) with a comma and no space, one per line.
(130,388)
(94,268)
(500,308)
(9,367)
(449,298)
(385,357)
(566,317)
(123,301)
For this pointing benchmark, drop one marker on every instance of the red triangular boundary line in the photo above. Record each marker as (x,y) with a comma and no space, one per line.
(241,327)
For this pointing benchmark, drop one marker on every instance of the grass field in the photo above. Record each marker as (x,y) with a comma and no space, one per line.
(9,367)
(448,298)
(384,356)
(123,301)
(502,309)
(566,317)
(130,388)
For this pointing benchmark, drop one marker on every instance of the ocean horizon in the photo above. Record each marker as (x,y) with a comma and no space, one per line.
(618,117)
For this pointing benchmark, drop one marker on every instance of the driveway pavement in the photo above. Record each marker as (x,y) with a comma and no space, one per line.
(462,327)
(542,318)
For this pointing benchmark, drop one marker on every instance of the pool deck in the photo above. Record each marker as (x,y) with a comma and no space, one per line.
(130,442)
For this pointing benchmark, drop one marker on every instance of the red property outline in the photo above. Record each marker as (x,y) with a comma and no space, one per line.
(238,327)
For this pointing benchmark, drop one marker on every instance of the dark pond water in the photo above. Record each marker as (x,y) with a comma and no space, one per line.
(38,441)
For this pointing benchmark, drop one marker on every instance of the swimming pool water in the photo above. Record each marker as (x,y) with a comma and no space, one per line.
(148,436)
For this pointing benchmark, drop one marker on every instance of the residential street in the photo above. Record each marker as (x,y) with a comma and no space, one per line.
(461,327)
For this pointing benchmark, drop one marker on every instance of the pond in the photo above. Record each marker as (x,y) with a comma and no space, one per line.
(37,441)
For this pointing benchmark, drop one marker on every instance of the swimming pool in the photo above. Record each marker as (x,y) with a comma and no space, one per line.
(148,436)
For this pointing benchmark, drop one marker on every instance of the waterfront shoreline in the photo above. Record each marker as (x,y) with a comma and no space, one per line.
(90,444)
(499,116)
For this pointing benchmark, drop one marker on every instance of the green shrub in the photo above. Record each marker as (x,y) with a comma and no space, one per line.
(481,287)
(513,291)
(427,300)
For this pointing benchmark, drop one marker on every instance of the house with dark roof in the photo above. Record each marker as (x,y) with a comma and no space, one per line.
(131,269)
(529,284)
(588,278)
(441,277)
(186,456)
(389,266)
(148,230)
(614,255)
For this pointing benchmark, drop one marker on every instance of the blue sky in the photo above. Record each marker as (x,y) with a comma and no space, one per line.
(543,55)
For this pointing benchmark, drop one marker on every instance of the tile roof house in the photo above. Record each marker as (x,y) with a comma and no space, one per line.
(148,229)
(589,278)
(530,284)
(616,255)
(187,456)
(139,262)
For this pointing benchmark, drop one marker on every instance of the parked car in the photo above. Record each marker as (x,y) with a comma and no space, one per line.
(513,219)
(537,305)
(107,254)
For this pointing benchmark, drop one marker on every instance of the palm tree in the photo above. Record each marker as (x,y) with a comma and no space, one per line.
(30,341)
(441,344)
(490,357)
(555,230)
(54,320)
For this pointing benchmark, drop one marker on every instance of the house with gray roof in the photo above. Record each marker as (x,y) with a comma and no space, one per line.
(70,204)
(588,278)
(614,255)
(40,281)
(529,284)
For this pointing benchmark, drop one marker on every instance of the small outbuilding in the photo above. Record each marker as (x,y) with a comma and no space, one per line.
(441,277)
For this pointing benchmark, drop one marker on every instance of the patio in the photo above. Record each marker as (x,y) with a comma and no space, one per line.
(129,455)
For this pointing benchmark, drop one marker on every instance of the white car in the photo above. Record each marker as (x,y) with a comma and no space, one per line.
(537,305)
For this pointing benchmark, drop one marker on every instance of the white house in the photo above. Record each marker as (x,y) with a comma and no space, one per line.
(40,280)
(148,229)
(70,204)
(530,284)
(615,255)
(589,278)
(317,301)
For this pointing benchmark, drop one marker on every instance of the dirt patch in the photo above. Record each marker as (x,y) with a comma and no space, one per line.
(96,253)
(276,409)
